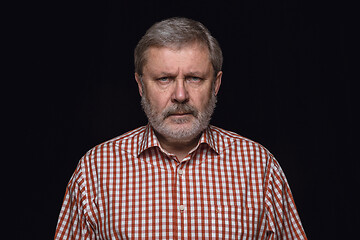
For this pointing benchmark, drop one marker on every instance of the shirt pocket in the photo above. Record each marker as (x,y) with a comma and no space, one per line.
(234,222)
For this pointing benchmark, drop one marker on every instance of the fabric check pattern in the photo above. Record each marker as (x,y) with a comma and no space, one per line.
(228,187)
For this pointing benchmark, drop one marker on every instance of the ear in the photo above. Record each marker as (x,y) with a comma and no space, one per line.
(138,80)
(218,82)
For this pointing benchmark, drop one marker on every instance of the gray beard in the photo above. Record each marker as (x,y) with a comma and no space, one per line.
(180,133)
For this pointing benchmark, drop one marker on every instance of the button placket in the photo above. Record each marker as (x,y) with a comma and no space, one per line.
(180,199)
(181,188)
(181,207)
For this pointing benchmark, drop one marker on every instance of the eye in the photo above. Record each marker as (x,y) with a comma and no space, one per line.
(163,79)
(194,79)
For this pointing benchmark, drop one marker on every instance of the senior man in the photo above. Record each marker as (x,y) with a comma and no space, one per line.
(178,177)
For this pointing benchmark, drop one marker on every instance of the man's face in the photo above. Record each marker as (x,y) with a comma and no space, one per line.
(178,90)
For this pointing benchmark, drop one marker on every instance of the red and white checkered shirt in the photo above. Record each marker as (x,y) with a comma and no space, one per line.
(228,187)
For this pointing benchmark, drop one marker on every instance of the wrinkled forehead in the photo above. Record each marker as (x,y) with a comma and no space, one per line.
(176,47)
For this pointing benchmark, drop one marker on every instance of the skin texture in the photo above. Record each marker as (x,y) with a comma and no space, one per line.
(179,88)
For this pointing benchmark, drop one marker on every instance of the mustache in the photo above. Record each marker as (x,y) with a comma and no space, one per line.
(182,108)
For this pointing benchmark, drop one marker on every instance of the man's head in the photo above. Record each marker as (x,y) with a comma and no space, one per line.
(178,71)
(176,33)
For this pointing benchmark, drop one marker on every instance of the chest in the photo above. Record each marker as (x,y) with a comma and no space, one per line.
(214,200)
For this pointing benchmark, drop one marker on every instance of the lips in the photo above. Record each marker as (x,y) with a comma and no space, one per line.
(181,113)
(180,110)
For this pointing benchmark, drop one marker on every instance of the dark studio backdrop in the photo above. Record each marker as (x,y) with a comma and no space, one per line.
(286,84)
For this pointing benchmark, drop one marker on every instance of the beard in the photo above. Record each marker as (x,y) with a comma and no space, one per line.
(179,130)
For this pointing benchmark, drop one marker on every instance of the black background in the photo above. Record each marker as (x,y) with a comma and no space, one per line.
(286,84)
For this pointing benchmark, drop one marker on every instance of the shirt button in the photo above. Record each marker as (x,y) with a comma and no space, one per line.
(180,171)
(182,207)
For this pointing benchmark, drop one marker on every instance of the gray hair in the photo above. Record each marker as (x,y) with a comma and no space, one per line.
(175,33)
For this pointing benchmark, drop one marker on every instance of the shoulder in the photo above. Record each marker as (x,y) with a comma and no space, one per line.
(126,142)
(244,149)
(110,153)
(235,141)
(250,154)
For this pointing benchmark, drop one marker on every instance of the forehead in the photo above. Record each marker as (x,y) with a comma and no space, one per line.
(191,57)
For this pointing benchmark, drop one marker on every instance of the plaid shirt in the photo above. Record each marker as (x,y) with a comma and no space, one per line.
(228,187)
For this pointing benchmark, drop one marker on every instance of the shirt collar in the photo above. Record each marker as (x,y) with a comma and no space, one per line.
(209,139)
(150,140)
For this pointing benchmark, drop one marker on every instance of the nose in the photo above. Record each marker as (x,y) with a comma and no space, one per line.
(180,94)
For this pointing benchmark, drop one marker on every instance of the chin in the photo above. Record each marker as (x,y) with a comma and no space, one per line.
(180,131)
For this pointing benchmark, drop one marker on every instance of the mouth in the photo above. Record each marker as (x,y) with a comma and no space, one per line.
(181,113)
(180,116)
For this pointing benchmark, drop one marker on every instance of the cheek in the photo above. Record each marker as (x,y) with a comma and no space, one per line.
(158,100)
(201,99)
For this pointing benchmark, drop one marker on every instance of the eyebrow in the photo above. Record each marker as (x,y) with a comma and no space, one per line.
(174,74)
(196,73)
(167,73)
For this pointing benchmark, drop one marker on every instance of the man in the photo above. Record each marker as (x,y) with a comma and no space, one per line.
(178,177)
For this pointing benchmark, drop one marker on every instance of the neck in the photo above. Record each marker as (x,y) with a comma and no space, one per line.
(180,148)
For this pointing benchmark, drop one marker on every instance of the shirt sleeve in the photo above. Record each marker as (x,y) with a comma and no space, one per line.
(73,222)
(283,221)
